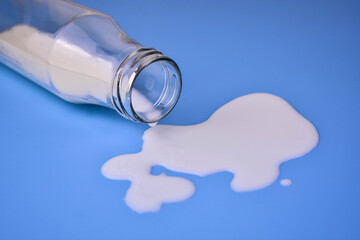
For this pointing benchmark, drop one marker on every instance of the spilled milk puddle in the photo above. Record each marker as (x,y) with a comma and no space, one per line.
(249,137)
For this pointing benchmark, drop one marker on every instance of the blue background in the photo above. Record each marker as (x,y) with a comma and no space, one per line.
(307,52)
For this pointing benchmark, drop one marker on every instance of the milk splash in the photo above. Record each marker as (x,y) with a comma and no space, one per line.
(249,137)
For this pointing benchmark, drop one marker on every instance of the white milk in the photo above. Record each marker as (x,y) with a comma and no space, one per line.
(55,64)
(28,48)
(143,106)
(285,182)
(153,124)
(249,137)
(65,67)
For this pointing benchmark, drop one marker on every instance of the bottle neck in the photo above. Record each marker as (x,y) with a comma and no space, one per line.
(146,86)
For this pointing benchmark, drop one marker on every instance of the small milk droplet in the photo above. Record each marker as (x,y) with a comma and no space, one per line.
(153,124)
(285,182)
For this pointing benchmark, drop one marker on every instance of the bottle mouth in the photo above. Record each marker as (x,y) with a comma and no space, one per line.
(147,86)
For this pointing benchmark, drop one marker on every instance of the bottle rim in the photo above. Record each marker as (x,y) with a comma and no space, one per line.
(128,72)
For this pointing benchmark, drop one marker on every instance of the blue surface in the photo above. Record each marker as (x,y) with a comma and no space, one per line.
(307,52)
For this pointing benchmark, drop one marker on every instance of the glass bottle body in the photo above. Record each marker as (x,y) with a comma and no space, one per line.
(83,56)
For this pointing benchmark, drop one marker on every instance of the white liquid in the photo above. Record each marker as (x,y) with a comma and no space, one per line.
(144,107)
(285,182)
(249,137)
(55,64)
(64,67)
(153,124)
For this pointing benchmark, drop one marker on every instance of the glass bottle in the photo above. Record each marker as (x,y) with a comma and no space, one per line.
(83,56)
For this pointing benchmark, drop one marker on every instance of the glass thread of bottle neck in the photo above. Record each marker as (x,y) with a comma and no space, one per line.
(146,86)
